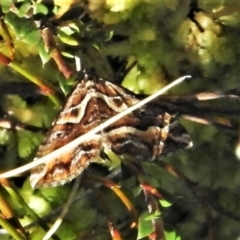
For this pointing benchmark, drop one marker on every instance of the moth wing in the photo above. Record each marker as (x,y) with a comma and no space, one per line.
(91,102)
(78,116)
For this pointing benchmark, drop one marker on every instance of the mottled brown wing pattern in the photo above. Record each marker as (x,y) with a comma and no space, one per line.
(142,134)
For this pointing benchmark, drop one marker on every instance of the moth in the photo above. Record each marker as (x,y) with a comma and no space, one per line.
(145,134)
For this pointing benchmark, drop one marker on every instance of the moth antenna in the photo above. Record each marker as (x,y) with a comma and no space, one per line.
(78,63)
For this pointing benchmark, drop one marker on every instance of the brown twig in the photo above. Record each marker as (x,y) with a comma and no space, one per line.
(52,47)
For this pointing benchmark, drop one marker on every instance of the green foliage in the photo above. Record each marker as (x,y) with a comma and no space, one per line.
(27,142)
(4,136)
(145,225)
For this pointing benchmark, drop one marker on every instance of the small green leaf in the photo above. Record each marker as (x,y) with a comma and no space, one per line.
(44,55)
(66,86)
(68,55)
(39,205)
(164,203)
(27,142)
(172,236)
(24,28)
(66,30)
(23,10)
(145,227)
(40,8)
(67,38)
(4,136)
(6,5)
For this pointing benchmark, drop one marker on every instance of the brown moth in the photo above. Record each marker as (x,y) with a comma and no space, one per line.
(144,134)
